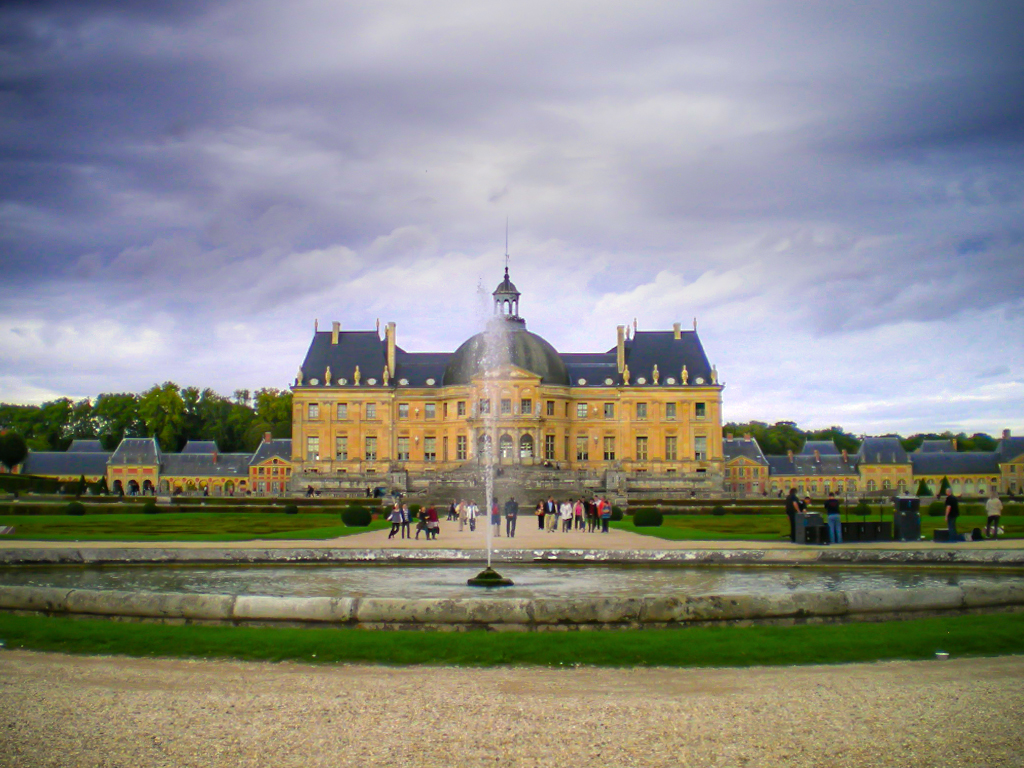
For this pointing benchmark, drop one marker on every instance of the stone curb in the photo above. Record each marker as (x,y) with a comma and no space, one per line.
(111,556)
(496,612)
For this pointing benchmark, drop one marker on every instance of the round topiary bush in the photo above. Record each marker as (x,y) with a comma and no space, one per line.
(76,508)
(149,508)
(648,518)
(356,517)
(936,509)
(616,513)
(291,509)
(414,509)
(718,509)
(862,509)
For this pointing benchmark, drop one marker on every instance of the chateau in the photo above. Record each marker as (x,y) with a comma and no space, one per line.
(367,411)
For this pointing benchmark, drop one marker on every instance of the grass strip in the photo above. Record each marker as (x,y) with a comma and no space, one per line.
(726,646)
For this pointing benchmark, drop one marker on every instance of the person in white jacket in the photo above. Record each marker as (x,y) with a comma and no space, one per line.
(565,515)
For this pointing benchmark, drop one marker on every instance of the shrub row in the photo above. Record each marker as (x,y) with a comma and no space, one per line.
(151,507)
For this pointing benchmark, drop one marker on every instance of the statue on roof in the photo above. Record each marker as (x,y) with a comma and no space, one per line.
(655,374)
(298,378)
(685,376)
(327,376)
(625,375)
(386,376)
(356,376)
(714,375)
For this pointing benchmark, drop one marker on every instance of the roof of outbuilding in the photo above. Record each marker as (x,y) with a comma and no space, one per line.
(200,446)
(806,465)
(823,447)
(65,463)
(87,446)
(1010,448)
(205,465)
(936,446)
(136,450)
(967,463)
(281,449)
(747,447)
(882,450)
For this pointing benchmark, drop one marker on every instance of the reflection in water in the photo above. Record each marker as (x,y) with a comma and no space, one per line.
(420,581)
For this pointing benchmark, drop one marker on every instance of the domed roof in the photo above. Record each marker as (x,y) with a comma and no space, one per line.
(506,286)
(506,343)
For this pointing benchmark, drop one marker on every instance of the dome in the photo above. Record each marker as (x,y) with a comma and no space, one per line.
(506,343)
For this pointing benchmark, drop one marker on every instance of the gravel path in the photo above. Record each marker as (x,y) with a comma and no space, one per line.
(70,711)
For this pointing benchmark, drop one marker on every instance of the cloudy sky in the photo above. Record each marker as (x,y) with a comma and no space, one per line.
(834,190)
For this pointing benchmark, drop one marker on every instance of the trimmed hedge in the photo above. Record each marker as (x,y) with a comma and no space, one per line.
(616,513)
(75,508)
(356,516)
(647,518)
(150,508)
(291,509)
(718,510)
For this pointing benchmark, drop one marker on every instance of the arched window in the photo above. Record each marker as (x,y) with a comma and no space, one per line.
(901,486)
(505,446)
(526,447)
(871,485)
(886,485)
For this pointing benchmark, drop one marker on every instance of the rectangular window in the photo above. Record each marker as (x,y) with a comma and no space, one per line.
(430,449)
(403,449)
(526,406)
(314,411)
(671,449)
(485,407)
(506,405)
(341,448)
(460,448)
(549,447)
(371,448)
(609,448)
(551,407)
(641,449)
(460,408)
(371,410)
(700,448)
(312,448)
(701,410)
(444,411)
(670,410)
(403,410)
(430,411)
(609,410)
(641,411)
(582,448)
(444,448)
(342,410)
(581,410)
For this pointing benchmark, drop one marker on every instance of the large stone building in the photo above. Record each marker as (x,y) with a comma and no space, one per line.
(649,408)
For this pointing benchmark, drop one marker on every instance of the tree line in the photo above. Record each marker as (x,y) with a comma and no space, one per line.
(776,439)
(172,414)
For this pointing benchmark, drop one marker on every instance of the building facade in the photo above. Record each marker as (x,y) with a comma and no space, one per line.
(366,408)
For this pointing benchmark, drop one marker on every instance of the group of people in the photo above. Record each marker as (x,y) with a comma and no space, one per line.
(401,522)
(569,515)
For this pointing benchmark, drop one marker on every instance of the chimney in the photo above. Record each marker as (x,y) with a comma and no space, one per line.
(620,348)
(389,335)
(316,325)
(747,435)
(214,457)
(817,455)
(845,457)
(677,331)
(954,443)
(335,330)
(1006,434)
(728,435)
(266,437)
(789,454)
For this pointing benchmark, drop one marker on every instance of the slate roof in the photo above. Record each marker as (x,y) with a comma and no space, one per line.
(805,465)
(943,463)
(936,446)
(882,450)
(200,446)
(137,450)
(205,464)
(1010,448)
(60,463)
(749,448)
(594,368)
(823,447)
(282,449)
(354,348)
(87,446)
(648,348)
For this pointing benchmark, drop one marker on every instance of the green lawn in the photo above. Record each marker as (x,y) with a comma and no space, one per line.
(776,527)
(976,635)
(181,526)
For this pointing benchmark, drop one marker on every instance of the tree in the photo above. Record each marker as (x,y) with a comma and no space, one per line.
(13,449)
(943,487)
(922,488)
(163,412)
(117,417)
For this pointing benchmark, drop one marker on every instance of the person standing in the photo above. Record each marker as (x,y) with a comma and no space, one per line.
(993,510)
(835,522)
(604,511)
(396,520)
(462,511)
(577,512)
(452,513)
(511,515)
(496,518)
(433,523)
(550,514)
(792,507)
(406,522)
(539,512)
(565,515)
(952,513)
(471,513)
